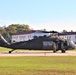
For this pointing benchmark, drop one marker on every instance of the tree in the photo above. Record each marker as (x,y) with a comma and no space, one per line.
(71,30)
(18,28)
(13,29)
(64,31)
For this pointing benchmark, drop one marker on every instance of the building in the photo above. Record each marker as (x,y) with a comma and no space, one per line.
(69,35)
(28,35)
(37,33)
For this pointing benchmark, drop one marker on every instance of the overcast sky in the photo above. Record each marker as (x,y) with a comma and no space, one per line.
(39,14)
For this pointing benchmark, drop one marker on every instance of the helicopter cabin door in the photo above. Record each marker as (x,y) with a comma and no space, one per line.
(47,45)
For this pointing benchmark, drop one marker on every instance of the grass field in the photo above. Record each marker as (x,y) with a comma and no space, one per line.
(4,49)
(52,65)
(38,65)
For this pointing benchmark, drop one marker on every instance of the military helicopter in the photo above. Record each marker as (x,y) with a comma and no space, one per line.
(52,42)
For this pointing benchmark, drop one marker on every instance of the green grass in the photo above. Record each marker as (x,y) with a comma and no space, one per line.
(4,49)
(64,65)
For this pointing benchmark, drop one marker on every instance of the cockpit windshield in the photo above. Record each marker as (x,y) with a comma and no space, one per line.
(71,44)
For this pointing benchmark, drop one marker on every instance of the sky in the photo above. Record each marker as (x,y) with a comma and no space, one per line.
(55,15)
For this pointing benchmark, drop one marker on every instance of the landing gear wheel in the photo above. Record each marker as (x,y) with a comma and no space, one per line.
(63,51)
(54,51)
(9,51)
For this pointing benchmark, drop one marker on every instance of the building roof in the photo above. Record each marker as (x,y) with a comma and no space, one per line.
(67,33)
(26,32)
(32,31)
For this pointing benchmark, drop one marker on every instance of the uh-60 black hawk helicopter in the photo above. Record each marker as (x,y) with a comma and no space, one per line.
(52,42)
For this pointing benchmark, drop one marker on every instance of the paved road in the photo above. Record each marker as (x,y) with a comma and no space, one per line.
(38,53)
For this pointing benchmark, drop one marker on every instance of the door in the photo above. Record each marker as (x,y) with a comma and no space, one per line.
(47,45)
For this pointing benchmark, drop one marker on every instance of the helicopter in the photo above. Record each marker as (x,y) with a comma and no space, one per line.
(52,42)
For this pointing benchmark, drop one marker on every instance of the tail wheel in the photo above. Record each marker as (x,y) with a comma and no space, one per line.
(12,50)
(54,47)
(9,51)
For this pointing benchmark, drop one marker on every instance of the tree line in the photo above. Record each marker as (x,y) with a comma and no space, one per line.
(16,28)
(13,29)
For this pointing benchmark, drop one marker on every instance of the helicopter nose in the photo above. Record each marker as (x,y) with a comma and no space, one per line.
(72,44)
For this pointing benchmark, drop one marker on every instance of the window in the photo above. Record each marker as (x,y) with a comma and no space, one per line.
(35,37)
(30,36)
(14,41)
(75,36)
(45,35)
(47,43)
(22,37)
(69,37)
(75,42)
